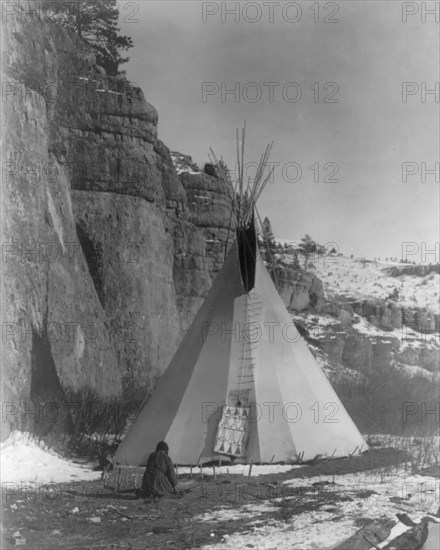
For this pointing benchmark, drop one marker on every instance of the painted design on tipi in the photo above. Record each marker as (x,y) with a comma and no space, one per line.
(232,431)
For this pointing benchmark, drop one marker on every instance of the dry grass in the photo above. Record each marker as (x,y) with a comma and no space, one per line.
(385,402)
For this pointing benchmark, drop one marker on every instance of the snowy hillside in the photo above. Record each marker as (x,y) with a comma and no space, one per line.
(370,314)
(354,278)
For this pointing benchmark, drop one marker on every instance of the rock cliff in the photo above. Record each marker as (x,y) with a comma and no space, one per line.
(107,251)
(53,322)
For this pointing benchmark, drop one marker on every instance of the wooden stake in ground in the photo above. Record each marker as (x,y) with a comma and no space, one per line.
(118,479)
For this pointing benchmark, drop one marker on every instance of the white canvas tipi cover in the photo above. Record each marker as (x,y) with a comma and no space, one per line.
(242,383)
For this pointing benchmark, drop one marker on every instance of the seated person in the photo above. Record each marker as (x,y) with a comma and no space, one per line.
(159,477)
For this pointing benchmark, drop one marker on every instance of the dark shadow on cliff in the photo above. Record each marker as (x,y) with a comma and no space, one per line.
(47,396)
(93,255)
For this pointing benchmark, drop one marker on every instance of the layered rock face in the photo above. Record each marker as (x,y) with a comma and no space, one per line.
(389,335)
(299,290)
(201,242)
(352,349)
(122,180)
(51,311)
(390,315)
(350,341)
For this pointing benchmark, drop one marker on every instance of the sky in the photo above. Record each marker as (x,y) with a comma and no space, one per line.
(338,87)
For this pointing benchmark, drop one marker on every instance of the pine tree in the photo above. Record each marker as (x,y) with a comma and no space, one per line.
(307,247)
(268,238)
(267,231)
(95,22)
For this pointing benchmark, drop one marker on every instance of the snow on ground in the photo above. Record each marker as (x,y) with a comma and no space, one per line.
(227,514)
(357,279)
(419,494)
(372,495)
(277,535)
(23,460)
(243,469)
(330,525)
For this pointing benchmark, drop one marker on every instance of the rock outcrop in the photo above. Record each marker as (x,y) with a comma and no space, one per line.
(202,240)
(413,270)
(300,290)
(355,344)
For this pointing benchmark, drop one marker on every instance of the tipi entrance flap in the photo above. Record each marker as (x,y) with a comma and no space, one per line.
(247,253)
(232,432)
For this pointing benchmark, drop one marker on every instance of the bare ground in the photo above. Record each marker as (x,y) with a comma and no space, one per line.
(84,515)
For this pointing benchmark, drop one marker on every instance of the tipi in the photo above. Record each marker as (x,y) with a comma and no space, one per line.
(242,383)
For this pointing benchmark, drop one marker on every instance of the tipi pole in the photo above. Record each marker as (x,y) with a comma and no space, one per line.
(250,469)
(271,460)
(240,183)
(243,139)
(227,236)
(352,454)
